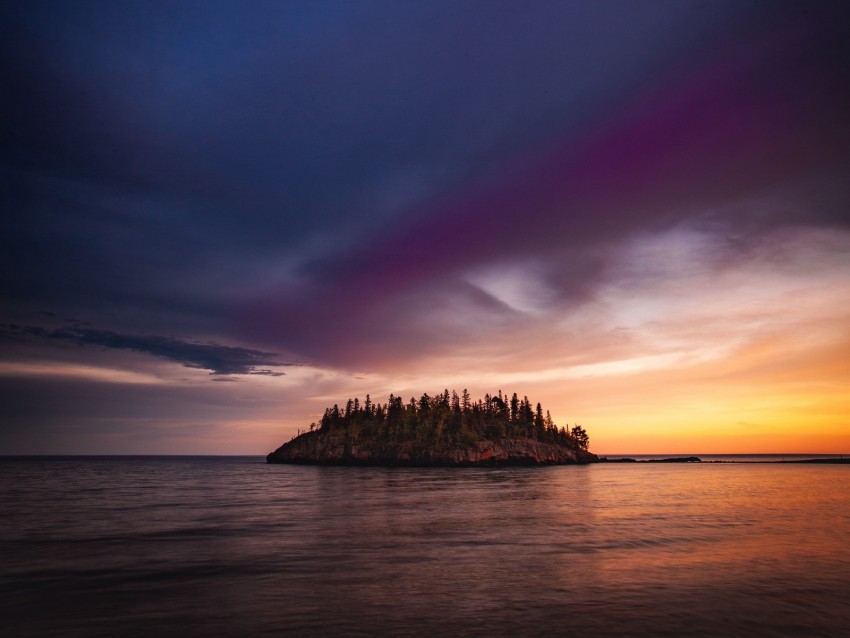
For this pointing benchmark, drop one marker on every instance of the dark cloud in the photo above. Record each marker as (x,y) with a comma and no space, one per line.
(219,359)
(160,155)
(752,138)
(369,184)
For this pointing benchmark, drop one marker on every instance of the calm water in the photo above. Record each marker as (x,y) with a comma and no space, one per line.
(231,546)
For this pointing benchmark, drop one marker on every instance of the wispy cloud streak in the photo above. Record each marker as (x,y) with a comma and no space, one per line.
(218,359)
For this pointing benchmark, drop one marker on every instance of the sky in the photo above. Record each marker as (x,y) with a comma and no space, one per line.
(220,218)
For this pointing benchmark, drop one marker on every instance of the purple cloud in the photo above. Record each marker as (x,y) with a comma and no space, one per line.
(754,118)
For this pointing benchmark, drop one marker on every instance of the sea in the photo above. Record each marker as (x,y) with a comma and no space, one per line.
(231,546)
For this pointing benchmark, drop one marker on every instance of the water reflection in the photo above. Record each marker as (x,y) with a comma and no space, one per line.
(227,547)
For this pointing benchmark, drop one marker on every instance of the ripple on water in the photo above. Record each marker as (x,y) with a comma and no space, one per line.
(234,547)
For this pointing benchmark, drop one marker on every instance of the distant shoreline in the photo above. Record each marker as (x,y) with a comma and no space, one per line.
(837,460)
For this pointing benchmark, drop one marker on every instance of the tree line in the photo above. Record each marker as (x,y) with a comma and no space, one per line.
(447,420)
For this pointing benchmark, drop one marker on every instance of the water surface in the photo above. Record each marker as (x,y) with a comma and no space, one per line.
(232,546)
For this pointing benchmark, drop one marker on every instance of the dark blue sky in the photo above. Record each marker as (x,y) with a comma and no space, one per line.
(371,188)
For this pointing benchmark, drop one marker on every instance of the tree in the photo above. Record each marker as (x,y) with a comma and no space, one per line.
(539,422)
(582,440)
(445,420)
(551,428)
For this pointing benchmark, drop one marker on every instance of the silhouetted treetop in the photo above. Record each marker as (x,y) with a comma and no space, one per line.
(447,420)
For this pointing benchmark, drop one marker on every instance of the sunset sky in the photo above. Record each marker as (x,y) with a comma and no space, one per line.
(220,218)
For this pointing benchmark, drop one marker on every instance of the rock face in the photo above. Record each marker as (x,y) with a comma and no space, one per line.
(320,448)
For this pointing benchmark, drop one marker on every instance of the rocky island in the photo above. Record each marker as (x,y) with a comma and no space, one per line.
(444,430)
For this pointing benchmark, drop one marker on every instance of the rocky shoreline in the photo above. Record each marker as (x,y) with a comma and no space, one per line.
(320,448)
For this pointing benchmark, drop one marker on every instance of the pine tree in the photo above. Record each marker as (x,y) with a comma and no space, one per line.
(539,423)
(445,420)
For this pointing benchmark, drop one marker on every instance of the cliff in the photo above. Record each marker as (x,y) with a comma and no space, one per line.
(325,448)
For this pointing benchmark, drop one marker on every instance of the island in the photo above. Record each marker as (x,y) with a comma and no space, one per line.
(447,429)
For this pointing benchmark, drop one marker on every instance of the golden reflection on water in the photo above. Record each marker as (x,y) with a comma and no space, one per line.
(744,546)
(211,548)
(641,544)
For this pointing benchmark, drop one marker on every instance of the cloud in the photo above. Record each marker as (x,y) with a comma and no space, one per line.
(219,359)
(412,193)
(707,143)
